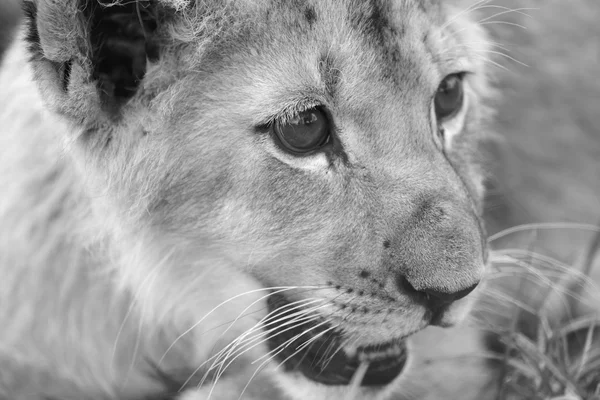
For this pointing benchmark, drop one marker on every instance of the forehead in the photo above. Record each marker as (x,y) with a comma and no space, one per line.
(398,40)
(332,46)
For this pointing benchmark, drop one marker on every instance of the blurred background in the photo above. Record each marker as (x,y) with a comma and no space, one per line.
(9,18)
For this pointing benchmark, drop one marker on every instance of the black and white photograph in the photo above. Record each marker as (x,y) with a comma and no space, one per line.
(299,199)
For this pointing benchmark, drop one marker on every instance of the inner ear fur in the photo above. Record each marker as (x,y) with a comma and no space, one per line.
(122,39)
(113,39)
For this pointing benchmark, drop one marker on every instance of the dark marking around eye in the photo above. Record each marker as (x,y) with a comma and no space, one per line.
(310,15)
(66,74)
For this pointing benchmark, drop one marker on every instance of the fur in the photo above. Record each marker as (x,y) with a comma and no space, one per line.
(140,227)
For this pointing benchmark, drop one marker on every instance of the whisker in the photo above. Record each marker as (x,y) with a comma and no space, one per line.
(510,253)
(282,315)
(544,226)
(306,344)
(509,57)
(262,298)
(293,339)
(262,309)
(462,13)
(504,23)
(119,333)
(224,367)
(226,352)
(259,368)
(302,318)
(328,350)
(505,11)
(258,333)
(330,358)
(502,296)
(279,289)
(148,281)
(520,11)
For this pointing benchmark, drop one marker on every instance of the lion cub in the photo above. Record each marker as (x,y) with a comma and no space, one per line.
(237,197)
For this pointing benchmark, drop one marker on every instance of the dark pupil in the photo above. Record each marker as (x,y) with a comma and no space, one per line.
(449,97)
(305,132)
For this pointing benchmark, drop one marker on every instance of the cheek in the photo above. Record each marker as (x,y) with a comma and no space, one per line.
(466,161)
(274,216)
(207,176)
(283,243)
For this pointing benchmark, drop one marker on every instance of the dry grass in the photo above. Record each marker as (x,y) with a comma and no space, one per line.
(547,325)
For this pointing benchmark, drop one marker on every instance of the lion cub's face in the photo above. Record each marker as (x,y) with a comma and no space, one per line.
(324,149)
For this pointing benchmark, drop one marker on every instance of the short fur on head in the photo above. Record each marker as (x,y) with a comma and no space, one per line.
(176,215)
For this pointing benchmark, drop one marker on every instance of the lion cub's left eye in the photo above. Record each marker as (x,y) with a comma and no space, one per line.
(307,131)
(449,97)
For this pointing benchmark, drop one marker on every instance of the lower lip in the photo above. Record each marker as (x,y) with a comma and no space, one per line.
(380,371)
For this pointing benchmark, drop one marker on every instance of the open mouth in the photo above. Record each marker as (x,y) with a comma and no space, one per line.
(314,349)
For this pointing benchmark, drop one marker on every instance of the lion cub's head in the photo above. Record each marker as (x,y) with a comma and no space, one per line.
(318,157)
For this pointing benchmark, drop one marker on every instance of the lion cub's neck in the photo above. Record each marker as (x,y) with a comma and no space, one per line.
(58,289)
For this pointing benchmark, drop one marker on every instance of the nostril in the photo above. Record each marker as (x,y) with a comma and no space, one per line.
(436,299)
(405,286)
(448,297)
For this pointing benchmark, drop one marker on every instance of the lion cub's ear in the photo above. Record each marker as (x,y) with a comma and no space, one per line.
(112,40)
(122,40)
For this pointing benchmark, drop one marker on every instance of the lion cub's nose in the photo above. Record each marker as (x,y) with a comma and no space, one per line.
(443,298)
(435,299)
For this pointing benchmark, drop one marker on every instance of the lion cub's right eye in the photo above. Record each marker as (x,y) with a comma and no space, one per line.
(449,97)
(306,132)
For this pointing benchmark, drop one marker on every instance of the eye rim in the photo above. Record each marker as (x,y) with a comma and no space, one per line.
(65,70)
(289,148)
(459,78)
